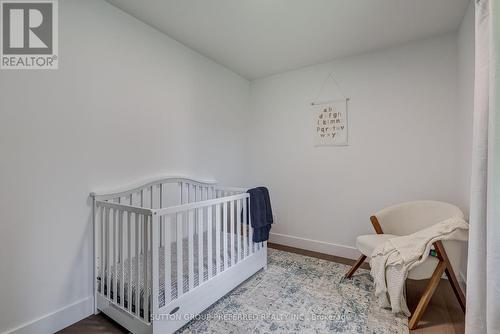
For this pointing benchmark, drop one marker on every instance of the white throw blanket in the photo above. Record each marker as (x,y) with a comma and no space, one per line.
(391,261)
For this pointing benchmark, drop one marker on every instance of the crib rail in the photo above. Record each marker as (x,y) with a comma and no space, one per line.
(228,191)
(210,236)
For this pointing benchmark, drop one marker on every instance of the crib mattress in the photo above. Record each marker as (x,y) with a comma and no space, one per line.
(173,260)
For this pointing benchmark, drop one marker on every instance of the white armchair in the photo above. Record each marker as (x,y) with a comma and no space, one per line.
(405,219)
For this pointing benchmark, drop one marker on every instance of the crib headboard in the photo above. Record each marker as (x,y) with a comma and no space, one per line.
(186,186)
(166,191)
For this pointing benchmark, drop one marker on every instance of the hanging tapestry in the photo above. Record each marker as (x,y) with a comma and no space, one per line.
(330,123)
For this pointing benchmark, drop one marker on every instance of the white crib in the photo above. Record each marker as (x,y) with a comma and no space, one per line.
(167,249)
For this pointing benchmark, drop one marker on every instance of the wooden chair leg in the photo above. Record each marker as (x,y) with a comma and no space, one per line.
(355,266)
(426,296)
(450,274)
(456,288)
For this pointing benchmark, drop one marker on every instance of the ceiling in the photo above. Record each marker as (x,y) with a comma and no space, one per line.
(256,38)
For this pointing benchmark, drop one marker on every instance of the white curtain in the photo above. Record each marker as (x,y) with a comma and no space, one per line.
(483,271)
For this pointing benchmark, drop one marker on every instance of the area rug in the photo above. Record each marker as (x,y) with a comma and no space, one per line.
(299,294)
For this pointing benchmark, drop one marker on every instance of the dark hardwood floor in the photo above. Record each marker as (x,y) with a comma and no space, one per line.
(98,324)
(443,315)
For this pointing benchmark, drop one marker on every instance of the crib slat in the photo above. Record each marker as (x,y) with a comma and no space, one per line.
(217,238)
(209,242)
(111,252)
(109,259)
(129,257)
(161,217)
(224,234)
(250,231)
(116,291)
(195,199)
(122,262)
(106,279)
(152,279)
(245,229)
(238,227)
(180,192)
(101,259)
(115,262)
(190,249)
(145,266)
(168,261)
(180,288)
(137,269)
(231,231)
(155,236)
(152,198)
(200,246)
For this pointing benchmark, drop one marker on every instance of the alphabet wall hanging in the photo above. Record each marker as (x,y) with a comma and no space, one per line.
(330,119)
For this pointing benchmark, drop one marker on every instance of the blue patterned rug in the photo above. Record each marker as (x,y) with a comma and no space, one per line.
(299,294)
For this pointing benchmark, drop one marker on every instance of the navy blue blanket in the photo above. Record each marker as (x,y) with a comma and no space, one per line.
(260,213)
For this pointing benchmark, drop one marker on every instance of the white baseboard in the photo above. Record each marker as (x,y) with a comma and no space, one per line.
(58,319)
(315,245)
(463,280)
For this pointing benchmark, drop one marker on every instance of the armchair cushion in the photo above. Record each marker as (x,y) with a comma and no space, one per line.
(366,244)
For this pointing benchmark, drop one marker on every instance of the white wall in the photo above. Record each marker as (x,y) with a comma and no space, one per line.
(403,142)
(127,102)
(466,107)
